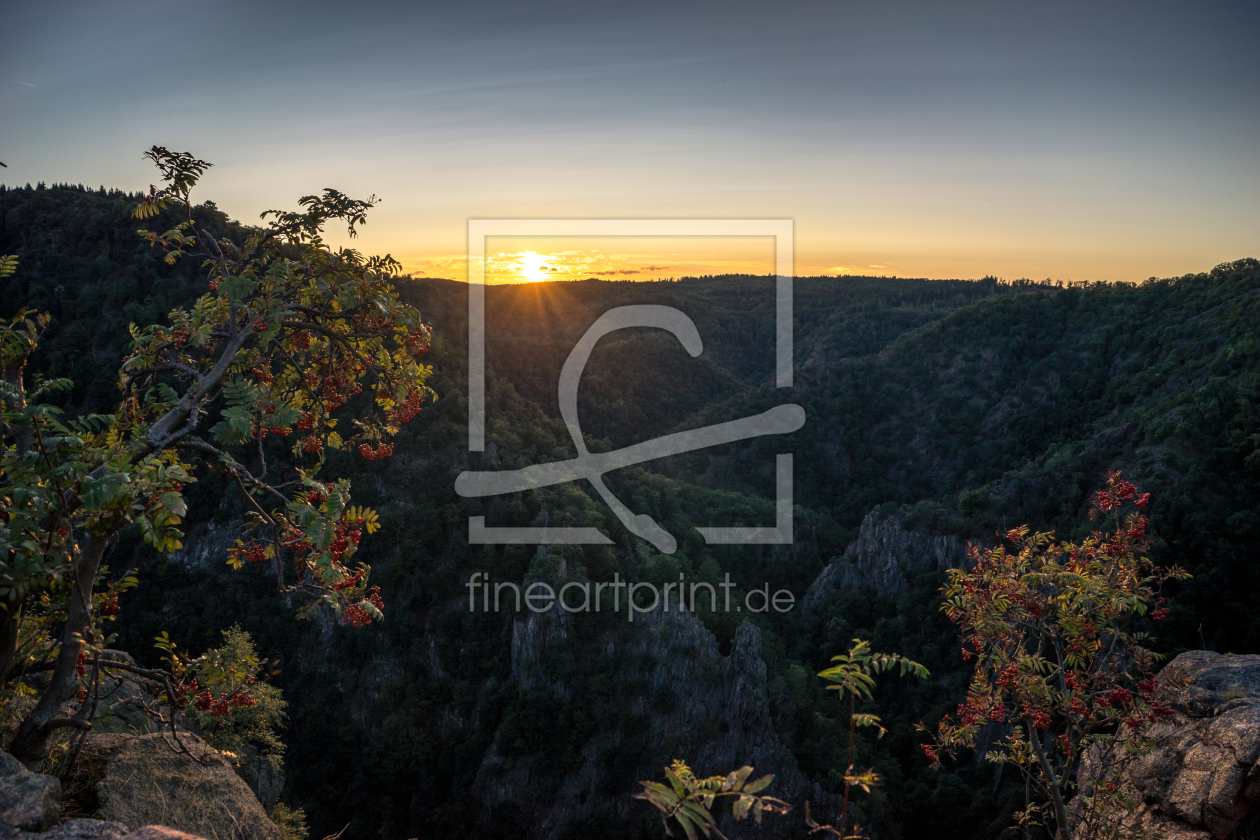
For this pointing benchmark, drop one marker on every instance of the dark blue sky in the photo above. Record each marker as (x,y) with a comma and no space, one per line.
(1070,140)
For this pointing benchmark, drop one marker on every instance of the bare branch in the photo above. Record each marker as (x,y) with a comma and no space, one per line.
(163,427)
(175,366)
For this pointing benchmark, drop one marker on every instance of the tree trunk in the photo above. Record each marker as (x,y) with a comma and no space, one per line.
(31,745)
(1052,785)
(9,625)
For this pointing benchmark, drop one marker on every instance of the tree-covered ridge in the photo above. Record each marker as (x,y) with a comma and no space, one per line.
(1007,412)
(83,263)
(960,406)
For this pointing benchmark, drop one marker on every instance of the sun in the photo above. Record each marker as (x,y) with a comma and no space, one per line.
(533,266)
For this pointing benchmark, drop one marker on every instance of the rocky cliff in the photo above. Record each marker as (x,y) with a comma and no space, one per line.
(887,552)
(1202,780)
(686,701)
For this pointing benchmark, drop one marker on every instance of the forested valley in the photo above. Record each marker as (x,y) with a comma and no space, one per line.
(938,412)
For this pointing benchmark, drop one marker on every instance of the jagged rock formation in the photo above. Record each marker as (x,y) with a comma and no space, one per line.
(884,556)
(1202,781)
(263,778)
(207,544)
(716,715)
(29,810)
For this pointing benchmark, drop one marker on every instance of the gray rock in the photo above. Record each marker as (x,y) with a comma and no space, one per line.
(884,556)
(1202,780)
(264,779)
(10,766)
(82,830)
(29,801)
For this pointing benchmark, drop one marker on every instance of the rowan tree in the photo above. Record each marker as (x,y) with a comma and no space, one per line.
(1061,659)
(294,340)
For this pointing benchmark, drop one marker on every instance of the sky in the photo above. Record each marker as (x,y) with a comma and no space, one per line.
(1070,141)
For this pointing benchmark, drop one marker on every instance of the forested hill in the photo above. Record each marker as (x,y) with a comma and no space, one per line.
(951,407)
(84,264)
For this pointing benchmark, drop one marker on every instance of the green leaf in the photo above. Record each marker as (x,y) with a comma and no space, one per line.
(687,825)
(237,288)
(759,785)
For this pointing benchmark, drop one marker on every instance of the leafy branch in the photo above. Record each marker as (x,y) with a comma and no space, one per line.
(853,676)
(689,800)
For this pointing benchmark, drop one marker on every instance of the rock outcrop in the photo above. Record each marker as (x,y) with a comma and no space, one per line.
(691,703)
(886,554)
(1202,780)
(29,810)
(79,830)
(150,780)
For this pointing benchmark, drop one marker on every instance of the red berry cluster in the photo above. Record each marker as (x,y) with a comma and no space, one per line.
(339,382)
(344,537)
(409,408)
(1118,492)
(260,325)
(180,336)
(312,444)
(80,664)
(356,616)
(318,496)
(111,607)
(181,690)
(419,341)
(979,706)
(375,323)
(306,421)
(1146,688)
(1033,607)
(263,375)
(1040,717)
(295,541)
(220,706)
(302,340)
(255,553)
(350,582)
(1114,697)
(383,450)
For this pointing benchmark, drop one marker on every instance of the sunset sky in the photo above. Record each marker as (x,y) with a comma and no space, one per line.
(1083,141)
